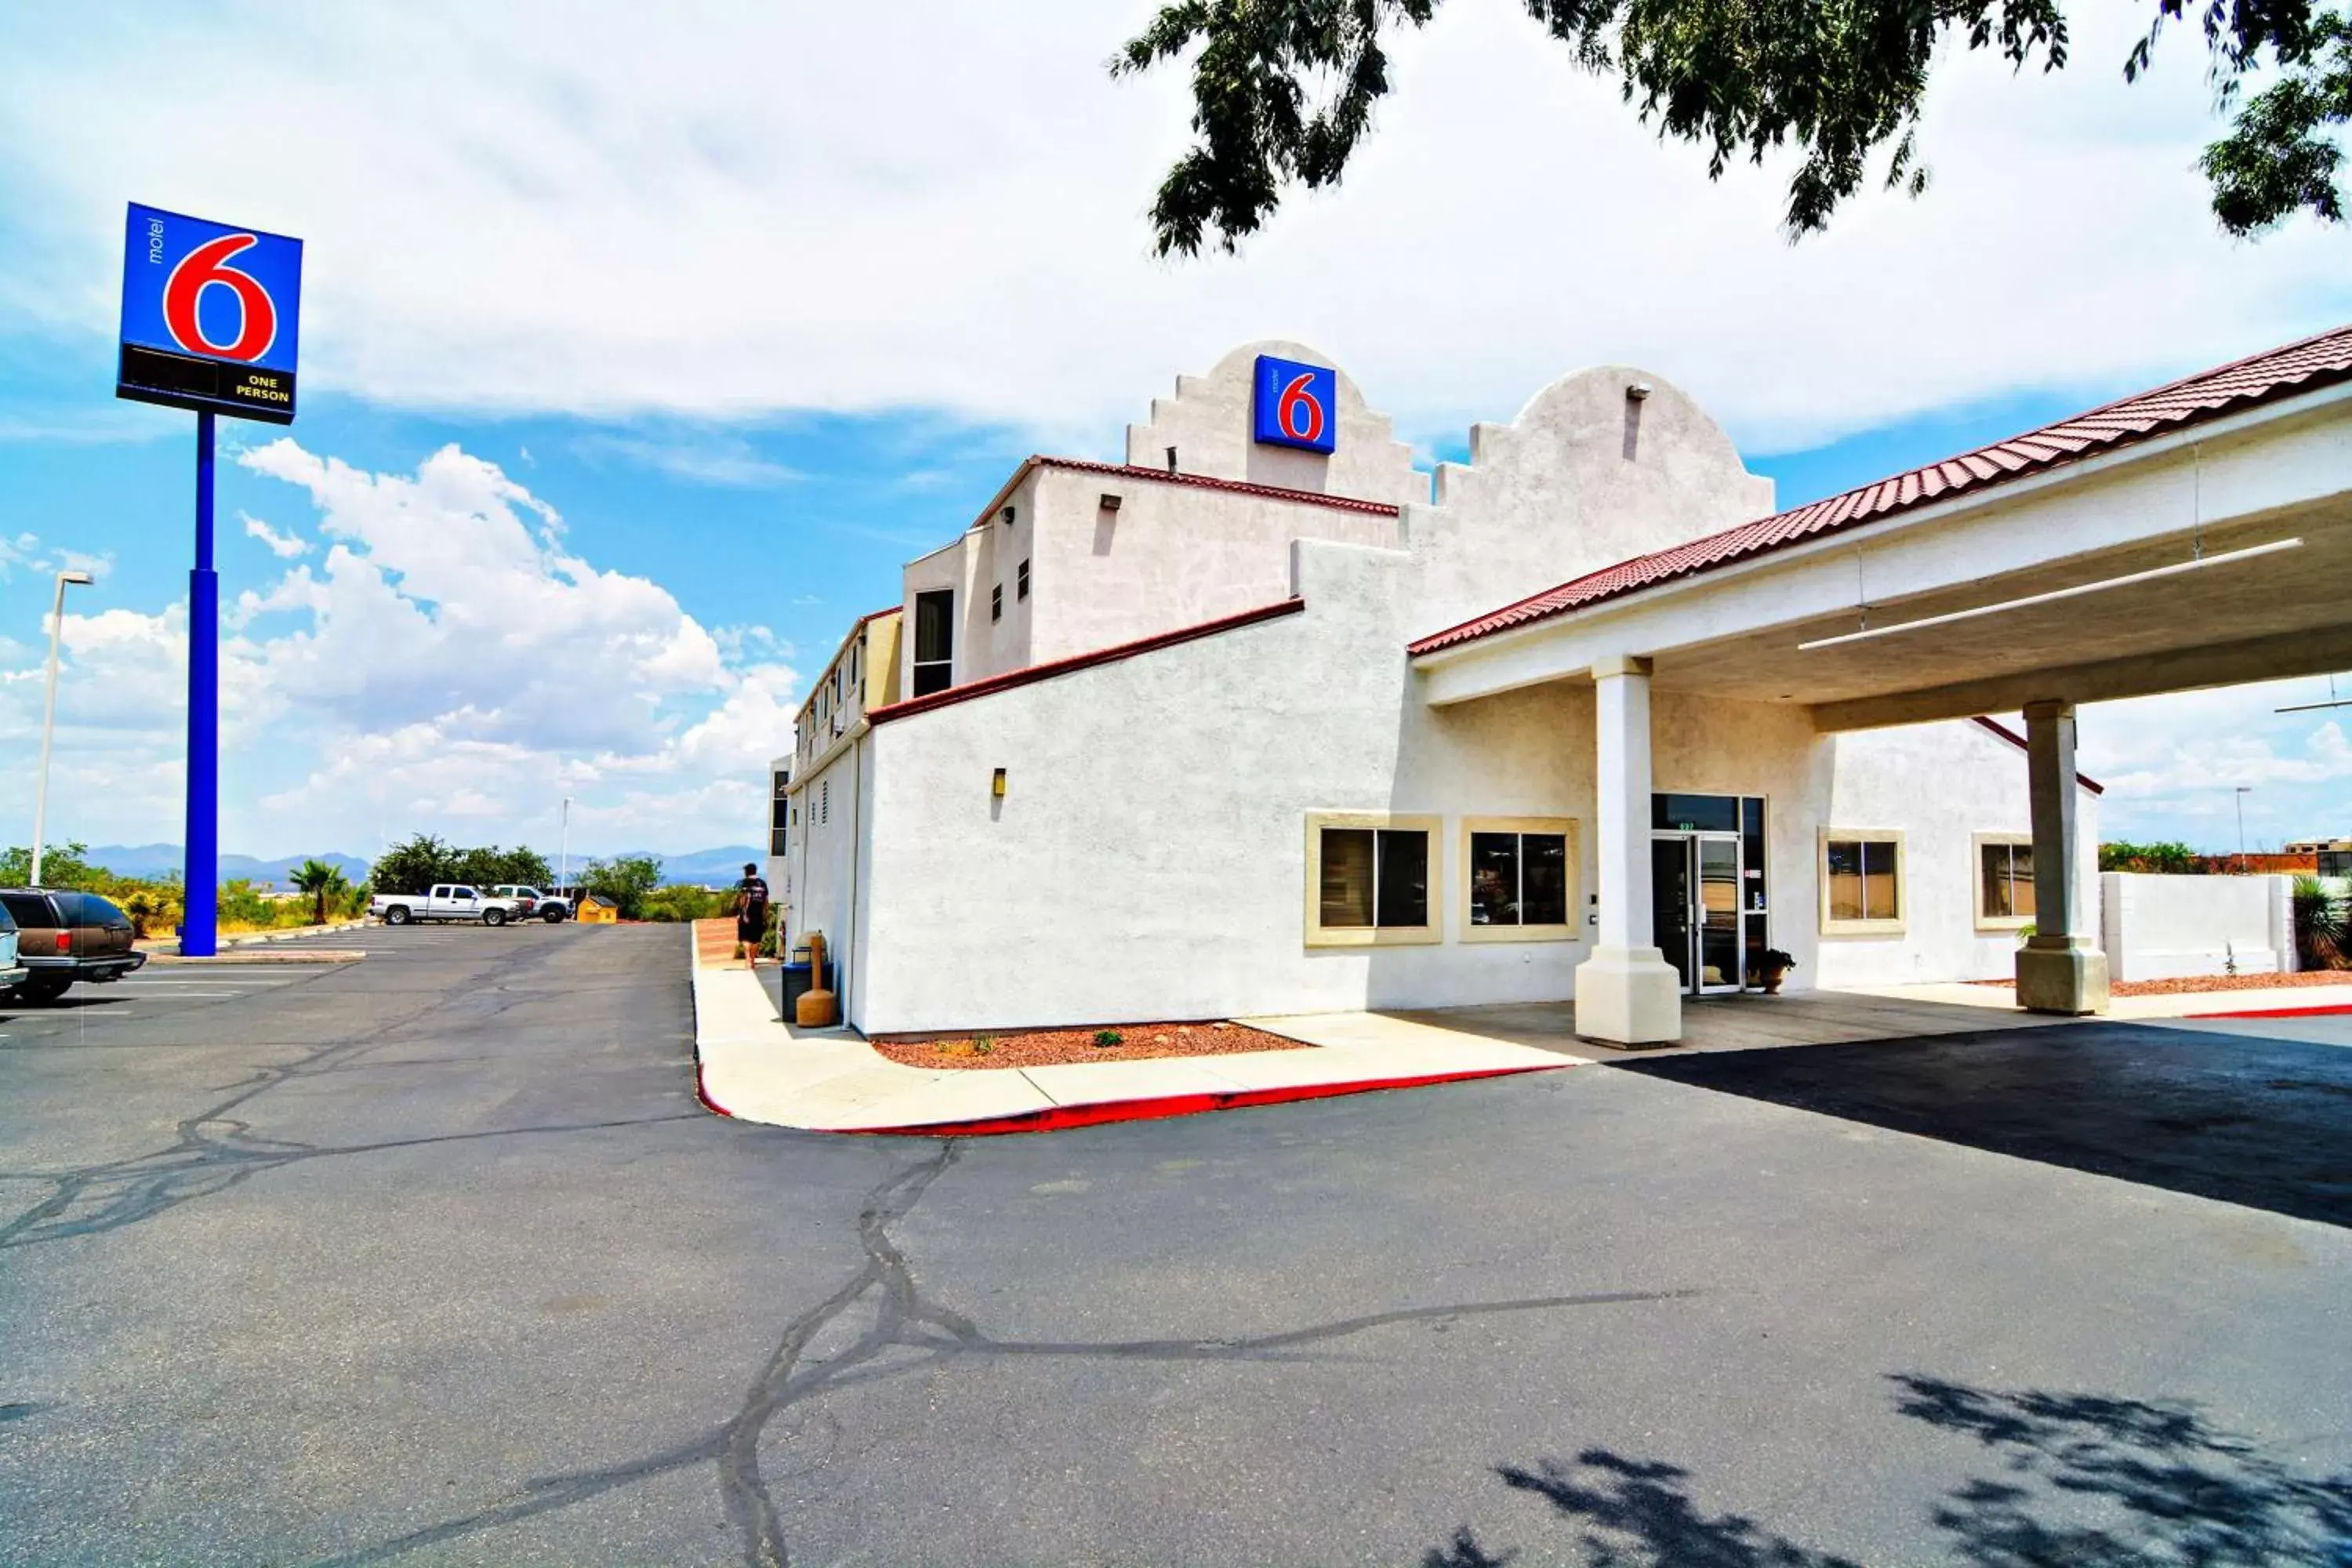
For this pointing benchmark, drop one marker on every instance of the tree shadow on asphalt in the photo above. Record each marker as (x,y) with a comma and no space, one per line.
(2085,1481)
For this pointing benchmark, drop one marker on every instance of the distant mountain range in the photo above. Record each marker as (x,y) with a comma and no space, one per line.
(718,867)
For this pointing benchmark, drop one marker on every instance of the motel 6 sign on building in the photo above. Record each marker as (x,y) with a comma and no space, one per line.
(210,316)
(1294,405)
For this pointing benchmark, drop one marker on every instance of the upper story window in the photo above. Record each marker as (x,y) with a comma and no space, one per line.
(934,641)
(1021,581)
(997,603)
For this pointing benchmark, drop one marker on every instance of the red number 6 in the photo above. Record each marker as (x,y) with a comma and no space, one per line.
(202,267)
(1297,399)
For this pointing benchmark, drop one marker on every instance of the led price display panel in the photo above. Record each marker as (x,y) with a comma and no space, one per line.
(210,316)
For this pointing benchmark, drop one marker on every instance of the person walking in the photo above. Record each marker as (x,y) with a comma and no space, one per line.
(750,914)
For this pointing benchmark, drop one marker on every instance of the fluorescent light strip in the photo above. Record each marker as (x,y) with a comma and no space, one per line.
(2315,707)
(2156,575)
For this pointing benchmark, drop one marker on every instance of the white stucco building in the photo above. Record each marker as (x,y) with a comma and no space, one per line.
(1238,727)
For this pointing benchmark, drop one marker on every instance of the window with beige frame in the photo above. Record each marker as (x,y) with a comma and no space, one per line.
(1372,878)
(1862,891)
(2004,878)
(1518,879)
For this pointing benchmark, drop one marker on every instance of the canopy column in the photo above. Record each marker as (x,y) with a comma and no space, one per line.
(2059,969)
(1626,992)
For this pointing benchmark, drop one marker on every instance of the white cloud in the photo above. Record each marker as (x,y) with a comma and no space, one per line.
(2172,765)
(724,210)
(284,546)
(450,666)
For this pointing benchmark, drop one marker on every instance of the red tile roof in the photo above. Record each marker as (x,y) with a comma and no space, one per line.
(2304,366)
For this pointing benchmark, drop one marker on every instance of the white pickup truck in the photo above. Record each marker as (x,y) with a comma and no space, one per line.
(446,901)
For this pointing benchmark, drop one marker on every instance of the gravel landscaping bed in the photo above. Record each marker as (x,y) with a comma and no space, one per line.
(1053,1048)
(2191,984)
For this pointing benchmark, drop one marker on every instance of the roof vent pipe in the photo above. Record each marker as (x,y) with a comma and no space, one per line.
(1171,460)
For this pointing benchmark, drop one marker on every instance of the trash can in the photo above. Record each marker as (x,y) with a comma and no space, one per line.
(797,980)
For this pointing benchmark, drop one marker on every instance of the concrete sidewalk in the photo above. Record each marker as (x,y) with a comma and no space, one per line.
(755,1066)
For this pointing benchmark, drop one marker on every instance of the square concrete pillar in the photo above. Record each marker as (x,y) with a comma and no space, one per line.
(1626,992)
(2061,968)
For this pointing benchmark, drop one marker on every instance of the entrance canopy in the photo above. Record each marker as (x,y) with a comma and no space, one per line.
(2197,535)
(2193,536)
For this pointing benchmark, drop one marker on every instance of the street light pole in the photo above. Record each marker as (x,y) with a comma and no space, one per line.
(2243,791)
(50,717)
(563,850)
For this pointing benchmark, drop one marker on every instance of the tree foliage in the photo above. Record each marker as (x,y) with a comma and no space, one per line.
(1841,82)
(2169,858)
(415,863)
(629,881)
(324,883)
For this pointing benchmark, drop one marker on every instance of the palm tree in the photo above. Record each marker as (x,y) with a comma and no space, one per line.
(321,881)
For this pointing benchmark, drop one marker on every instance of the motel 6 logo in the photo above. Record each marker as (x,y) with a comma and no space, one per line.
(1294,405)
(208,267)
(211,315)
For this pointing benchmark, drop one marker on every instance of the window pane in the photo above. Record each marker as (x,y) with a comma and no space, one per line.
(2021,880)
(1995,874)
(1493,879)
(1751,849)
(1347,891)
(1879,900)
(934,628)
(1405,879)
(1844,859)
(1695,813)
(1543,859)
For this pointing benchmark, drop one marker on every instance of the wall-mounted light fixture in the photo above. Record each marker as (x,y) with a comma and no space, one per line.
(1109,501)
(1007,515)
(1638,391)
(996,784)
(1171,460)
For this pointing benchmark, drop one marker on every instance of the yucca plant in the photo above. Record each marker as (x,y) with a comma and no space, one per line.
(2323,925)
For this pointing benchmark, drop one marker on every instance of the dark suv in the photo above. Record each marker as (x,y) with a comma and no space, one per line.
(62,937)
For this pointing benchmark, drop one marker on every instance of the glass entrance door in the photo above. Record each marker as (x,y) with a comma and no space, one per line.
(1695,892)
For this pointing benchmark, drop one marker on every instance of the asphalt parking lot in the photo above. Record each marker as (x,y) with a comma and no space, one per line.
(434,1258)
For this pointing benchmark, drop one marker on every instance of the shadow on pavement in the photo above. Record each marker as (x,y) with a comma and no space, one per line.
(2084,1481)
(2245,1119)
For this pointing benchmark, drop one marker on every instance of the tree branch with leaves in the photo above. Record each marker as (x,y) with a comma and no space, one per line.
(1283,92)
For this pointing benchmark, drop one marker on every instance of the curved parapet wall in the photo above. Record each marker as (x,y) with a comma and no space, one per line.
(1601,466)
(1208,422)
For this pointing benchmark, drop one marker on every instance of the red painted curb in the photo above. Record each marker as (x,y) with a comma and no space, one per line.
(702,1091)
(2331,1011)
(1062,1117)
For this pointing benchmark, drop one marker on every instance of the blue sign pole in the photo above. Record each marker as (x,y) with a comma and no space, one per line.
(211,322)
(201,886)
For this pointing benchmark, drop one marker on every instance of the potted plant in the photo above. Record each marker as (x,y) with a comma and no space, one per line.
(1770,965)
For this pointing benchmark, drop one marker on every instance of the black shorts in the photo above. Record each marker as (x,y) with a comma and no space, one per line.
(751,924)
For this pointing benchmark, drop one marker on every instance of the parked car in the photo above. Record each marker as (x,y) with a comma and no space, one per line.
(63,937)
(552,908)
(11,970)
(443,902)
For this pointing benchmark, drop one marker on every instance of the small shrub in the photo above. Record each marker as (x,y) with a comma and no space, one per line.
(983,1044)
(1106,1038)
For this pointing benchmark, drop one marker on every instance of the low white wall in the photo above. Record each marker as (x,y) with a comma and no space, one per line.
(2162,928)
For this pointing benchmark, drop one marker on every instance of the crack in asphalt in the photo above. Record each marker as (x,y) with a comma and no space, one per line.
(902,1320)
(212,1151)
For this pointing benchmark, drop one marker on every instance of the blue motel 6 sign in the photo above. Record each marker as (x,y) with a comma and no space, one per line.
(211,316)
(211,320)
(1294,404)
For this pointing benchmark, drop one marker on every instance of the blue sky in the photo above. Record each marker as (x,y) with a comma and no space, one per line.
(639,353)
